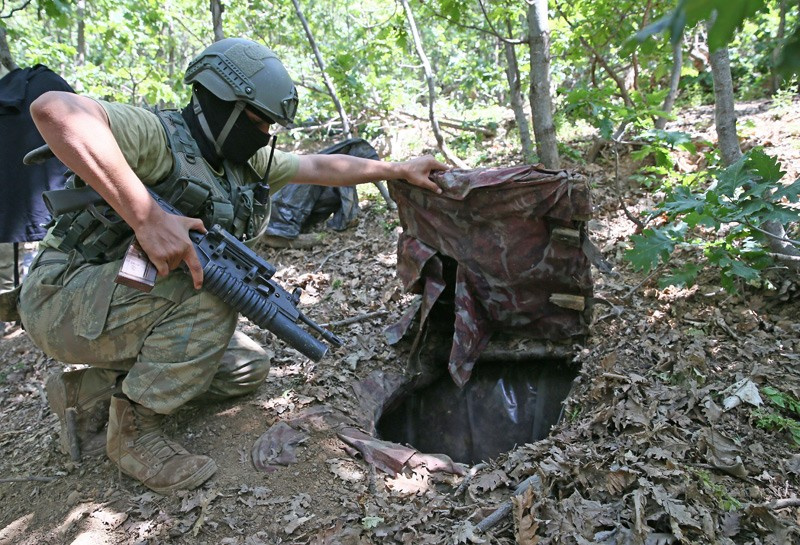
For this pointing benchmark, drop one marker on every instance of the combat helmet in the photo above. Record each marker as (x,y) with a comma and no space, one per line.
(237,69)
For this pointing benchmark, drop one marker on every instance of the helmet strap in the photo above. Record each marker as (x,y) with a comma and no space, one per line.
(198,112)
(226,129)
(219,141)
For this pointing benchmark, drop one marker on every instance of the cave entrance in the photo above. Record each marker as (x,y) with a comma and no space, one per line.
(503,405)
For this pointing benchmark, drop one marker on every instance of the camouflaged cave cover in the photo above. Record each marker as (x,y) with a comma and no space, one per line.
(496,224)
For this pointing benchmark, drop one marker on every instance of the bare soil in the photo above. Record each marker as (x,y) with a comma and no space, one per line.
(649,450)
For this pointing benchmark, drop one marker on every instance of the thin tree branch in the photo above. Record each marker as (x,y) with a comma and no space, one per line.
(14,10)
(600,59)
(495,32)
(356,319)
(452,21)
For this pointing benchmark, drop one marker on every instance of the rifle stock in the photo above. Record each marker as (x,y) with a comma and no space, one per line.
(62,201)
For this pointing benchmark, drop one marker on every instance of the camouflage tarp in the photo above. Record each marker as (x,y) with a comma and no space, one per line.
(496,228)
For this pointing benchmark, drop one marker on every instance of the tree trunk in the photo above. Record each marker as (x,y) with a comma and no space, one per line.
(675,79)
(724,107)
(216,19)
(775,77)
(321,65)
(541,104)
(5,53)
(81,48)
(449,156)
(517,104)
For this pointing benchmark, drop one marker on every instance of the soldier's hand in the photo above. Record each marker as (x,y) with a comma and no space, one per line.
(417,171)
(167,244)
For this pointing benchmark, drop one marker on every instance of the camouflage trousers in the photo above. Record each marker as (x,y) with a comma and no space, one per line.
(6,266)
(174,344)
(26,252)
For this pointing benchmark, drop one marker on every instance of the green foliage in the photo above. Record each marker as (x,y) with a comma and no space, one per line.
(722,220)
(730,17)
(783,420)
(599,108)
(724,499)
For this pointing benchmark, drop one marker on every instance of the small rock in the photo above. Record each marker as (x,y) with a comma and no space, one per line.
(74,498)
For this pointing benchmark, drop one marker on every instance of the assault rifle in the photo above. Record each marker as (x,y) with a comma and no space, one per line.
(231,271)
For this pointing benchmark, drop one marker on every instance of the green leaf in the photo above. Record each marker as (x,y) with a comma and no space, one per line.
(767,167)
(685,276)
(649,248)
(791,192)
(682,201)
(731,14)
(368,523)
(733,177)
(742,270)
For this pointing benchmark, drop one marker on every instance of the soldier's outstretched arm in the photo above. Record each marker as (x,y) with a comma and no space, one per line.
(344,170)
(77,130)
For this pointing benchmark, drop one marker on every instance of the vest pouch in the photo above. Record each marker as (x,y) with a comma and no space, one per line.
(191,196)
(219,213)
(243,216)
(98,233)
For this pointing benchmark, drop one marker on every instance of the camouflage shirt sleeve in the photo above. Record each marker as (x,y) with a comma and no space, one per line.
(141,138)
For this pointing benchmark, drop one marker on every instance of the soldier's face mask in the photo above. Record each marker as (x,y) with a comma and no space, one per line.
(235,137)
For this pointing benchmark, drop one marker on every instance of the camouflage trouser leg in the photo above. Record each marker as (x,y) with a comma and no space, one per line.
(170,342)
(6,266)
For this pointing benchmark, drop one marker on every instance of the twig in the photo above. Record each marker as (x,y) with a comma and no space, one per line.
(355,319)
(783,504)
(772,235)
(783,257)
(468,477)
(505,508)
(337,252)
(616,377)
(28,478)
(628,214)
(650,276)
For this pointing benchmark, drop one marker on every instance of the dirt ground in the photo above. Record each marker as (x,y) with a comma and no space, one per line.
(653,447)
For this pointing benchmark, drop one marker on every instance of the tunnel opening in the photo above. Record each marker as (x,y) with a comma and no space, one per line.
(504,405)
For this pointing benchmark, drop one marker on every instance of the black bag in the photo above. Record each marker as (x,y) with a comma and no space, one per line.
(296,207)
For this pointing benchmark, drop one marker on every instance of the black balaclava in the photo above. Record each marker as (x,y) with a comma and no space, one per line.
(243,140)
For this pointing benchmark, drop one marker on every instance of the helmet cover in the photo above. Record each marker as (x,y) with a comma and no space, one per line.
(237,69)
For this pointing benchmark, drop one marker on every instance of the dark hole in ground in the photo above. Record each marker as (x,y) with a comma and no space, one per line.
(502,405)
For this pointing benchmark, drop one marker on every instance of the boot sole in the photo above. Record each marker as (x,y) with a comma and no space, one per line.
(191,482)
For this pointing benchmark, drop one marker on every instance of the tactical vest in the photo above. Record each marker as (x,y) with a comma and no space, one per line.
(100,235)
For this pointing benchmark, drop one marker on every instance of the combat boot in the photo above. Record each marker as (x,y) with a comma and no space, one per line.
(80,399)
(140,450)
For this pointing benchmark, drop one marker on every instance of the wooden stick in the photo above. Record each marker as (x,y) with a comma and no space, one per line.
(468,478)
(355,319)
(322,264)
(28,478)
(505,508)
(783,504)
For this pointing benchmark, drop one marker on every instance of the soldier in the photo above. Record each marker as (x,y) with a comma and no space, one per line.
(151,353)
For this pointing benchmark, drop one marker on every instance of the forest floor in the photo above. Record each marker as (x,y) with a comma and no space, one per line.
(652,449)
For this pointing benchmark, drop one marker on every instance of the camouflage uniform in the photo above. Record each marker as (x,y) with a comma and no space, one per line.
(174,343)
